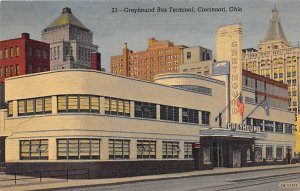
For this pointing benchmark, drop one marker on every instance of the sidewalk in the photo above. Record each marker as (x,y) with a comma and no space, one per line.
(48,184)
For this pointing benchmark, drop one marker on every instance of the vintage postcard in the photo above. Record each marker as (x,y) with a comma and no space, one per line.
(150,95)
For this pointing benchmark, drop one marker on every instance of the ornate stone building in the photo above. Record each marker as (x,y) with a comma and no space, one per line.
(71,43)
(276,59)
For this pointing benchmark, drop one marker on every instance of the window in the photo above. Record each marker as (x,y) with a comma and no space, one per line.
(289,128)
(29,106)
(38,105)
(269,153)
(10,109)
(29,52)
(6,72)
(279,153)
(34,149)
(35,106)
(269,126)
(118,149)
(170,149)
(47,104)
(206,155)
(17,69)
(258,122)
(11,52)
(190,115)
(188,55)
(21,107)
(95,104)
(6,53)
(72,102)
(205,117)
(279,127)
(188,150)
(74,149)
(29,68)
(116,106)
(1,73)
(44,54)
(146,149)
(17,51)
(38,53)
(11,69)
(1,54)
(258,153)
(169,113)
(145,110)
(78,103)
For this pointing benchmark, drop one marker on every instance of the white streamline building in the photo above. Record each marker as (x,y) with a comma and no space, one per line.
(118,126)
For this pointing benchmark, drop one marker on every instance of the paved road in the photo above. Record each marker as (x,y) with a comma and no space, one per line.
(269,180)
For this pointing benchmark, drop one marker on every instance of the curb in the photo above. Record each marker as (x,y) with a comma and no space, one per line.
(165,178)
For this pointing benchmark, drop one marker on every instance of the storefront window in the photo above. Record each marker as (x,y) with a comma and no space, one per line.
(118,149)
(258,153)
(279,153)
(170,149)
(34,149)
(74,149)
(248,154)
(146,149)
(269,153)
(206,154)
(188,150)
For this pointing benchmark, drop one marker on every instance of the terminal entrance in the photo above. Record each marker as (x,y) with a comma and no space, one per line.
(229,151)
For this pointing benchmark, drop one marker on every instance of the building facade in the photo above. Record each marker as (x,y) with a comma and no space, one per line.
(160,57)
(276,59)
(23,56)
(2,99)
(71,43)
(197,60)
(114,131)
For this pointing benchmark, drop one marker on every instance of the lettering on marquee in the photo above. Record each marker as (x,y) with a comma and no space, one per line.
(243,127)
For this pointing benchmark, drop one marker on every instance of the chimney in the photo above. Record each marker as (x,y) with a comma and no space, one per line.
(25,36)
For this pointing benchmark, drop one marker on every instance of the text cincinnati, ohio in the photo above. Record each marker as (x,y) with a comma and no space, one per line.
(178,10)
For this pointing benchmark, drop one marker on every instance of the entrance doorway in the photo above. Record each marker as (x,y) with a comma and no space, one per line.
(236,154)
(218,158)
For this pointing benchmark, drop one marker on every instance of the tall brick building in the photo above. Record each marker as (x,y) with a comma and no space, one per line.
(160,57)
(23,56)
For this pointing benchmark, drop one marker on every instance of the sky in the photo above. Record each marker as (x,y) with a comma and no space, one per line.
(112,29)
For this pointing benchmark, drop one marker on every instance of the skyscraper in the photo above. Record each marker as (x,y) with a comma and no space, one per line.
(71,43)
(276,59)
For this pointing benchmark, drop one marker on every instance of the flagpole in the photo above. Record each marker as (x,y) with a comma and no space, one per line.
(228,105)
(254,109)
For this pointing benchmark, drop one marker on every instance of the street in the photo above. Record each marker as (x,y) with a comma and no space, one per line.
(269,180)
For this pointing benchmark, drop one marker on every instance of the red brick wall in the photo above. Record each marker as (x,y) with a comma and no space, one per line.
(96,61)
(23,60)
